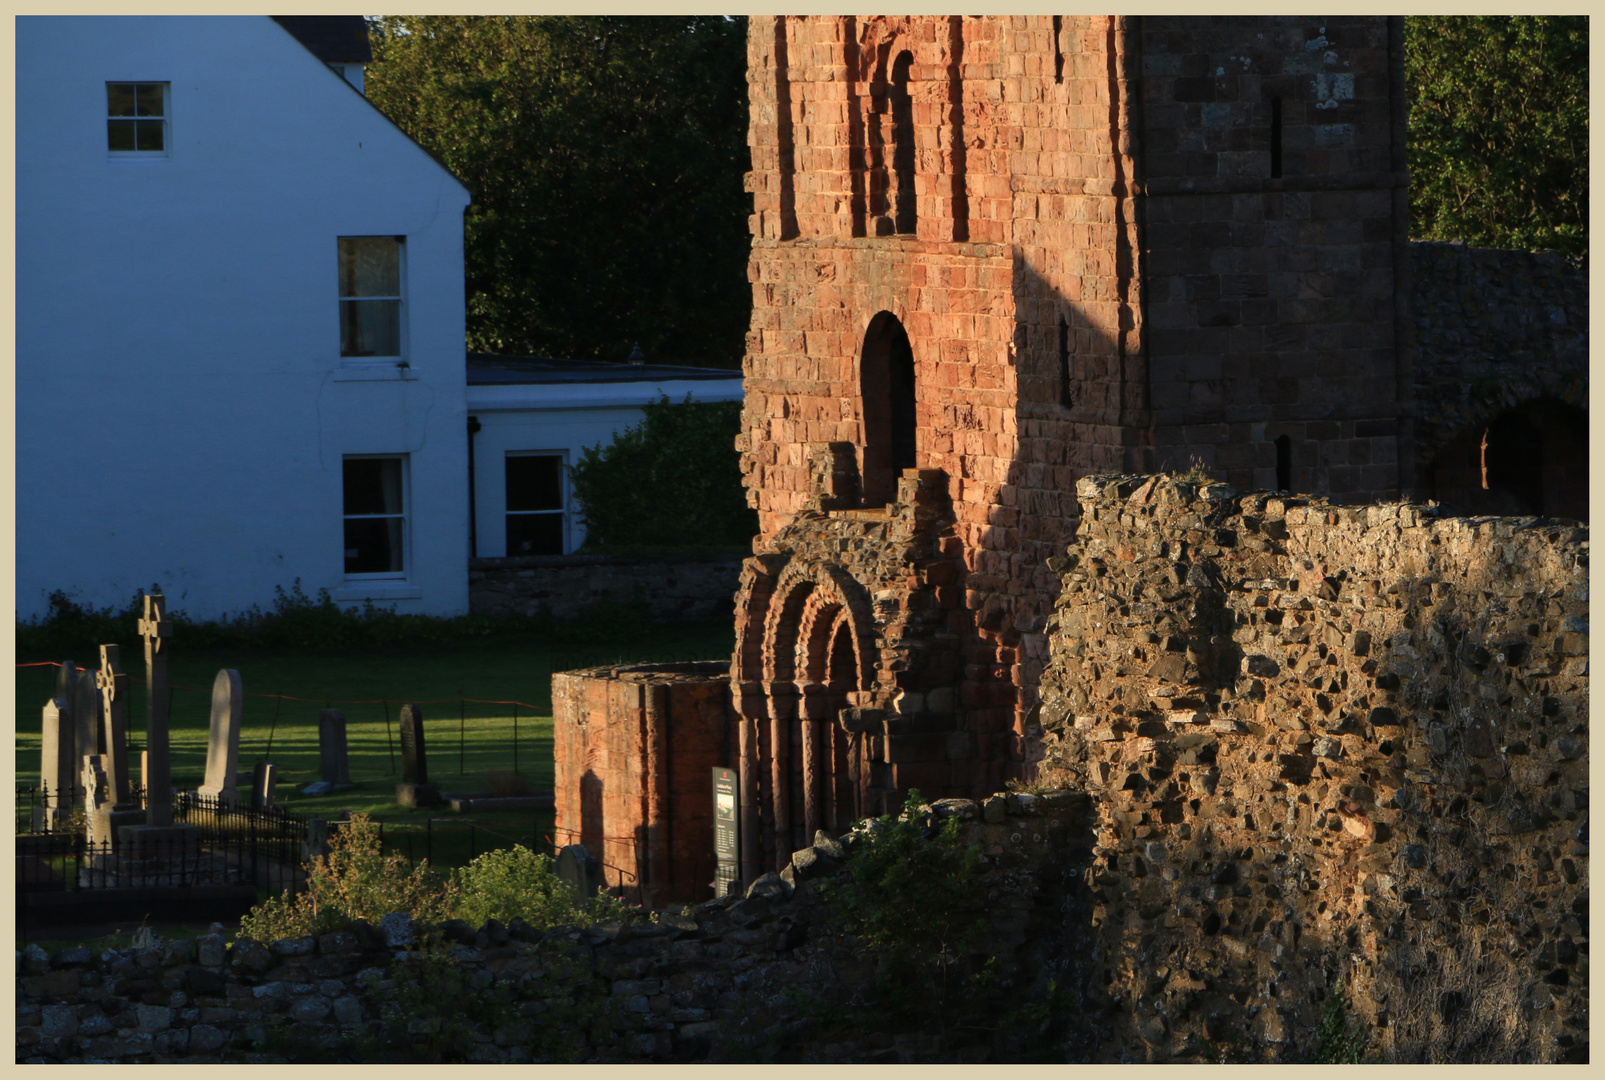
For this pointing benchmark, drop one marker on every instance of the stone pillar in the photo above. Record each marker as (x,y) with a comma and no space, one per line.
(813,713)
(751,712)
(656,730)
(782,714)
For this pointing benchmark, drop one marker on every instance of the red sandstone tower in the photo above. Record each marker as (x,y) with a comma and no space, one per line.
(994,254)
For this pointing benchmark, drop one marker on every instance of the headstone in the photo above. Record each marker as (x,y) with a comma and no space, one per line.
(113,687)
(317,842)
(106,818)
(87,712)
(264,780)
(223,740)
(92,778)
(154,629)
(414,762)
(66,693)
(415,788)
(336,767)
(579,868)
(56,772)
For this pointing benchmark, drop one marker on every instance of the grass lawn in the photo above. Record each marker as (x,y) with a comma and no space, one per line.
(465,739)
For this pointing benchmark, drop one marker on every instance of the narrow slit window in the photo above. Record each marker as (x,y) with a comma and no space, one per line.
(1065,397)
(1276,138)
(1284,463)
(1058,48)
(136,117)
(535,504)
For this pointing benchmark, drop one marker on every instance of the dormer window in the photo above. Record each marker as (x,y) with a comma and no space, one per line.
(136,117)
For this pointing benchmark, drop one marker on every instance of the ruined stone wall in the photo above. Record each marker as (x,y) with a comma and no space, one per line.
(1493,329)
(633,748)
(670,588)
(1328,747)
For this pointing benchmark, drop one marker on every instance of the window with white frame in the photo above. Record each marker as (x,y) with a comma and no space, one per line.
(370,296)
(536,521)
(136,117)
(375,516)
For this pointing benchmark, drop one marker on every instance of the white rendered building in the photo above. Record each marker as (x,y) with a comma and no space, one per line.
(239,344)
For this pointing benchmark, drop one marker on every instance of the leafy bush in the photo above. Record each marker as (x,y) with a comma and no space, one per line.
(518,883)
(356,880)
(1340,1042)
(918,900)
(672,480)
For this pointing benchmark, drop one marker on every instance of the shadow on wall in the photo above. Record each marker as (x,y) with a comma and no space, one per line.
(1530,459)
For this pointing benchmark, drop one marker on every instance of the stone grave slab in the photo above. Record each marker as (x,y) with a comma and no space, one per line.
(223,739)
(415,789)
(333,760)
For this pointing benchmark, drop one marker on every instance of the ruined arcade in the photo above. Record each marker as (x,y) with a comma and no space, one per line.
(991,257)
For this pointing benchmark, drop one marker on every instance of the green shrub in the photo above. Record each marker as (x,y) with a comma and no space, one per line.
(518,883)
(673,480)
(919,904)
(1341,1043)
(356,880)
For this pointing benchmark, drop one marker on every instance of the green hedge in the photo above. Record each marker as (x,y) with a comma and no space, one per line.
(671,481)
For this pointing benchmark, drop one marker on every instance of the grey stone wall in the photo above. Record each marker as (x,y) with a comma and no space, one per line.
(671,587)
(735,979)
(1493,328)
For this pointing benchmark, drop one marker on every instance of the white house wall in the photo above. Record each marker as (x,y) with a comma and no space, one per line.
(559,418)
(182,409)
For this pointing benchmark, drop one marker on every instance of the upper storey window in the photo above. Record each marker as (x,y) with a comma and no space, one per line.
(370,296)
(136,117)
(891,177)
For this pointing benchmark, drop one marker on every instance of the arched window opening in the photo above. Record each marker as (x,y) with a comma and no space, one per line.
(1532,459)
(1284,463)
(886,383)
(902,102)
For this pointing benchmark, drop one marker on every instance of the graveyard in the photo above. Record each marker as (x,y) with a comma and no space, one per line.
(341,731)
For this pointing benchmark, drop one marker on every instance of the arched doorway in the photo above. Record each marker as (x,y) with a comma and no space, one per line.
(886,383)
(1531,459)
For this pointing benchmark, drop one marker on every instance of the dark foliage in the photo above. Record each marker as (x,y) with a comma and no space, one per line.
(1499,130)
(298,622)
(605,155)
(673,480)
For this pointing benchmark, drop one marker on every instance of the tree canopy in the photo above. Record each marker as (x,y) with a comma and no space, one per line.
(606,156)
(1499,129)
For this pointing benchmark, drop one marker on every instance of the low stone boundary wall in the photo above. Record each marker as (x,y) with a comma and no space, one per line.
(734,979)
(671,587)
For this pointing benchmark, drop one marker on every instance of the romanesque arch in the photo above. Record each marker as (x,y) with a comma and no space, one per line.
(803,769)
